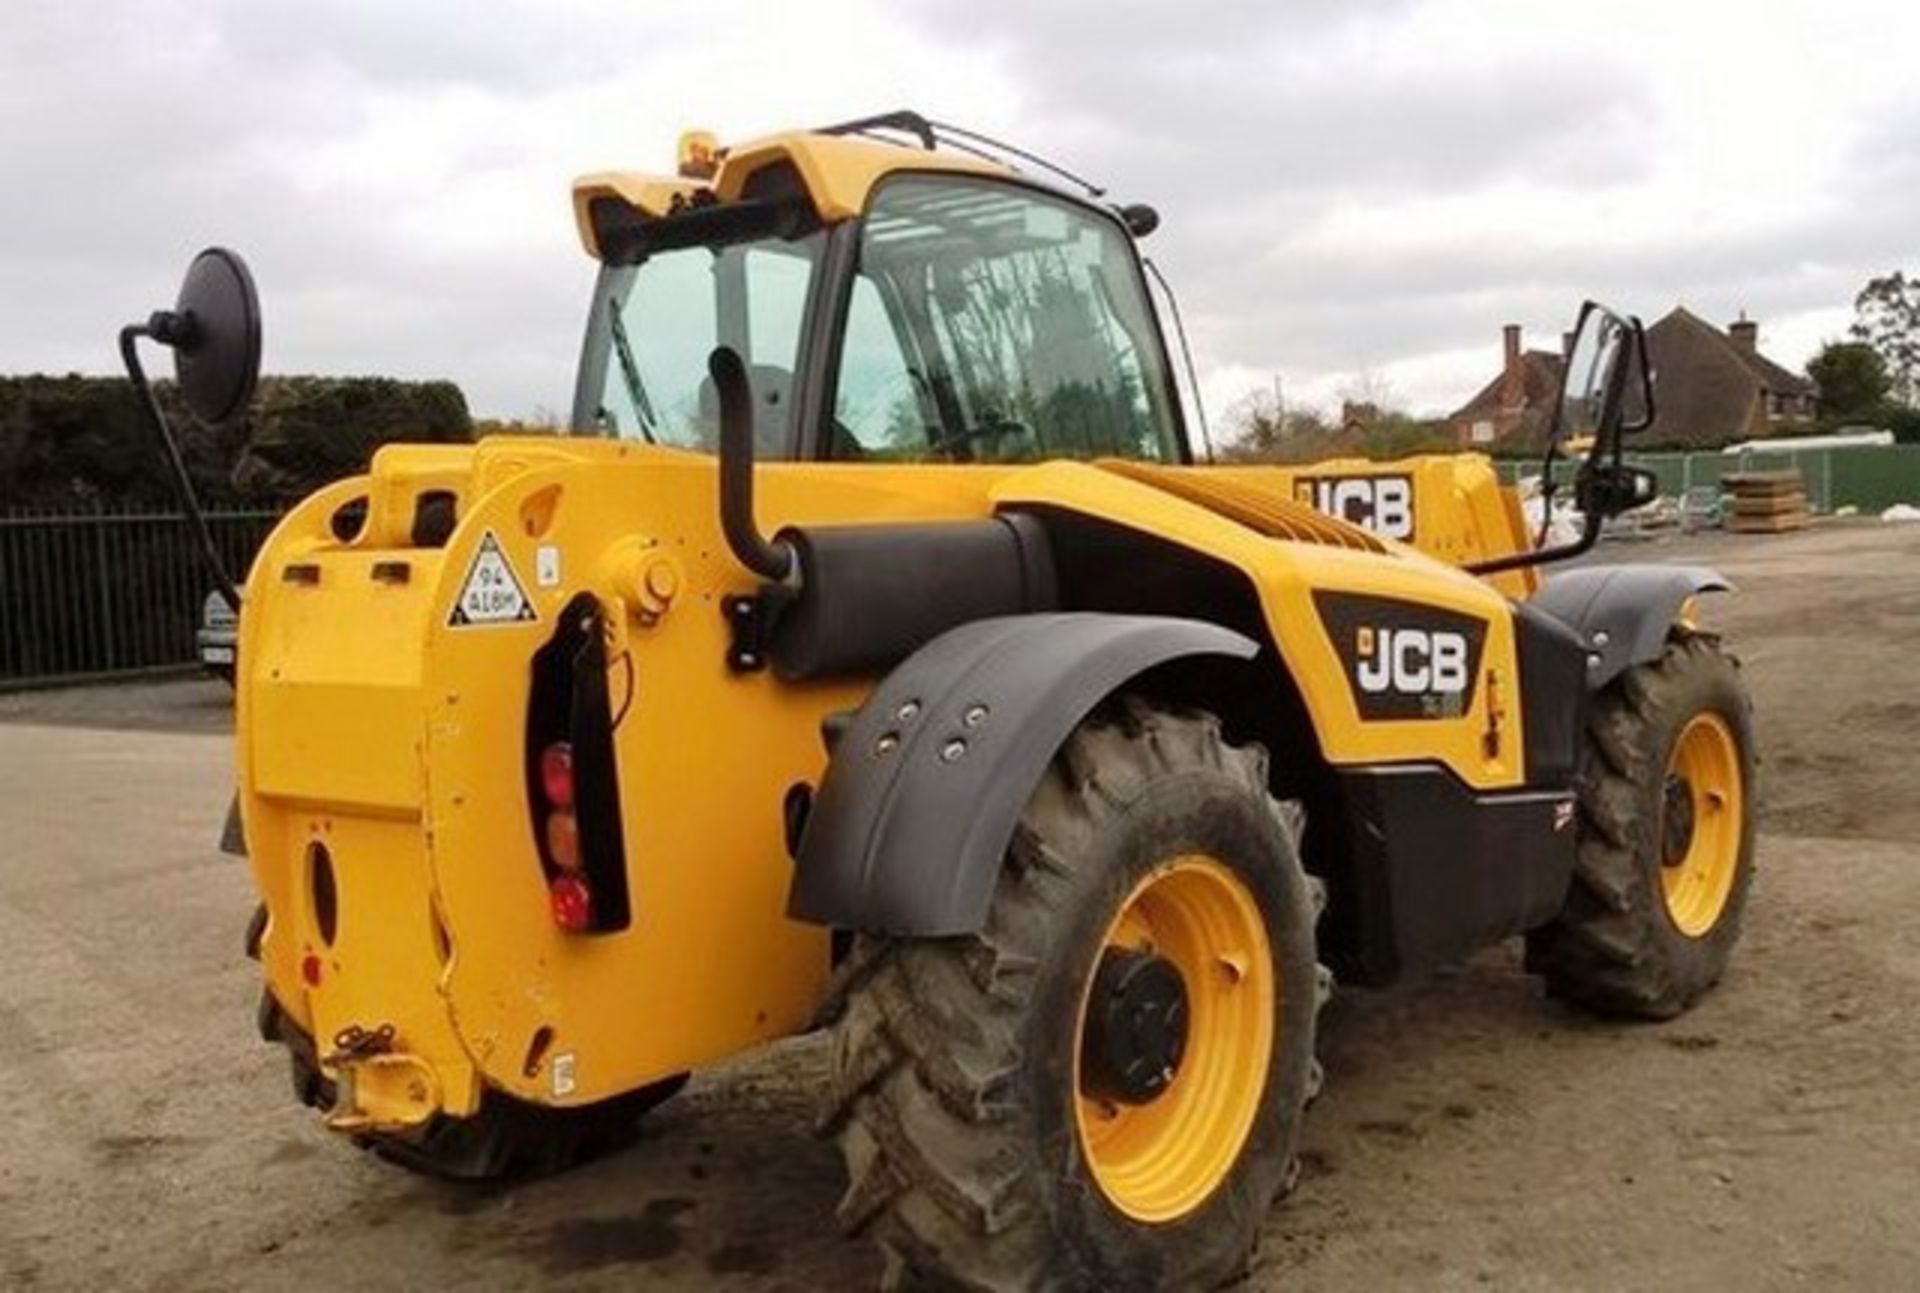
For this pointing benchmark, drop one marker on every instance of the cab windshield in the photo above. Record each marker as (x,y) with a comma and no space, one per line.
(989,322)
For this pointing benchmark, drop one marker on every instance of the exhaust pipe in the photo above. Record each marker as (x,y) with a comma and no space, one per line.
(771,561)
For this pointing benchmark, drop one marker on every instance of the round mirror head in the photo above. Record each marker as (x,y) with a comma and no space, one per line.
(218,360)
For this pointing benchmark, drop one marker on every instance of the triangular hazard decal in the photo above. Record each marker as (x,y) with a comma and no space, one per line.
(492,593)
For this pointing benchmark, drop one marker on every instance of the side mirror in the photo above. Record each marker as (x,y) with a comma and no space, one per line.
(1607,387)
(214,333)
(1608,489)
(1606,391)
(215,337)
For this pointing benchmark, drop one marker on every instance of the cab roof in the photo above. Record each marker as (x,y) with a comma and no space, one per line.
(837,172)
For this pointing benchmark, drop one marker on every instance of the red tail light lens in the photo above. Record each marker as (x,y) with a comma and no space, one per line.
(572,903)
(563,840)
(556,774)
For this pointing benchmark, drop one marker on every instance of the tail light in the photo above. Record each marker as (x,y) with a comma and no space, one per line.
(572,781)
(556,774)
(568,896)
(571,902)
(563,840)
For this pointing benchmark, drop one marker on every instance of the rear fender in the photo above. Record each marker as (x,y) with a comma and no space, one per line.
(925,786)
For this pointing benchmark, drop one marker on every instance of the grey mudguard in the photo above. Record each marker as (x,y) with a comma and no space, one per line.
(1622,613)
(926,784)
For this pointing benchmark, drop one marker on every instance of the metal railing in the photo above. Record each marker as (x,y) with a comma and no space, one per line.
(97,595)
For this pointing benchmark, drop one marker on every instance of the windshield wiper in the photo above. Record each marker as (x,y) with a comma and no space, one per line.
(630,373)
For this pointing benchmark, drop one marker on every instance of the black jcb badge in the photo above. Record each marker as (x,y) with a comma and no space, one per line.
(1404,660)
(1382,504)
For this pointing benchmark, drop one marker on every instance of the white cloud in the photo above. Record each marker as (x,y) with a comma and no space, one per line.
(1369,186)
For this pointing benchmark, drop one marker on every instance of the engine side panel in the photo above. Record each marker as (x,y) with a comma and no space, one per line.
(1390,686)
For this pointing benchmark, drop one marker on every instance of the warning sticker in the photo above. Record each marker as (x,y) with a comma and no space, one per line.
(492,593)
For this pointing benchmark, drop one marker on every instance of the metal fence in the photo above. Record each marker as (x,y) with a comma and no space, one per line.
(1867,477)
(95,595)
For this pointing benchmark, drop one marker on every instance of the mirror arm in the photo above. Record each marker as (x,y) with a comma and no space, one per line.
(1589,535)
(174,329)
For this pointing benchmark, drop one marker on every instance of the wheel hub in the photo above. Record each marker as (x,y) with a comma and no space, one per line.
(1676,822)
(1136,1031)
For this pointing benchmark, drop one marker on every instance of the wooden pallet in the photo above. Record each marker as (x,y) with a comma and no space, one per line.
(1761,482)
(1770,505)
(1779,524)
(1766,502)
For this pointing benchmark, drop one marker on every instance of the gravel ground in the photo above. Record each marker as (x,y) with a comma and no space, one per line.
(1472,1134)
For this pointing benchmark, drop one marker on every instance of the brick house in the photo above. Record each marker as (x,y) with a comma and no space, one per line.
(1517,403)
(1711,388)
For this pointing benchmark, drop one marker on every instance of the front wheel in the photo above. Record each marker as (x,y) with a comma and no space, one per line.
(1666,838)
(1103,1088)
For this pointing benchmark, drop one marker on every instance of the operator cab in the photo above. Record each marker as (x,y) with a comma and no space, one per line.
(958,315)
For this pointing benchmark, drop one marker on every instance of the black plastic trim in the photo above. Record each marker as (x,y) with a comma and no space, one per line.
(1438,870)
(1553,695)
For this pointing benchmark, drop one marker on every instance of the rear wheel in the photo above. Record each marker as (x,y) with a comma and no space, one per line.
(1103,1088)
(1666,838)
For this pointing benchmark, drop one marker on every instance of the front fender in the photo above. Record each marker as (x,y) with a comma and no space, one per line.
(926,784)
(1623,613)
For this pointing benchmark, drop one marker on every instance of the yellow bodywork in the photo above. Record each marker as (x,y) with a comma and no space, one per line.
(373,728)
(385,742)
(839,172)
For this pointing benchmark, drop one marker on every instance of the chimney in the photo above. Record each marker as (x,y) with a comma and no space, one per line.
(1745,333)
(1513,379)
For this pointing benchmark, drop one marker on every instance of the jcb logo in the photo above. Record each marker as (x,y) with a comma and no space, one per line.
(1404,660)
(1413,662)
(1383,504)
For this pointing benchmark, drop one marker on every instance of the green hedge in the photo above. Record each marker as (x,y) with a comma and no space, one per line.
(82,442)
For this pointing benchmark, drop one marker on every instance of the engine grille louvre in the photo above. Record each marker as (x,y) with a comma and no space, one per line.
(1269,513)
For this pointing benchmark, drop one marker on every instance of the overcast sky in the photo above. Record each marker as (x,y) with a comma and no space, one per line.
(1352,190)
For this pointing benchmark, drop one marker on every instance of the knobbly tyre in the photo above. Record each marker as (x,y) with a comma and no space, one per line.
(874,656)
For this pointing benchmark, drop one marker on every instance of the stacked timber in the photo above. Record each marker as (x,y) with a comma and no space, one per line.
(1766,502)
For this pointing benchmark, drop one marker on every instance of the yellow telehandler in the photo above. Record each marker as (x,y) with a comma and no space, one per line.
(875,656)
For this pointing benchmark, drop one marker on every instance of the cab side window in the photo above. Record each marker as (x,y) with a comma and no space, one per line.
(881,407)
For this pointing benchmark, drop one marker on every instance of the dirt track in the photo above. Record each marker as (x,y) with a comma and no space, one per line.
(1472,1134)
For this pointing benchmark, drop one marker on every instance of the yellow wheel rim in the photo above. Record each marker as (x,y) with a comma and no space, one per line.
(1159,1160)
(1700,824)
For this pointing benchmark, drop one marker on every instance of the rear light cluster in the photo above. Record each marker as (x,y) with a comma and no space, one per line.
(569,896)
(573,776)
